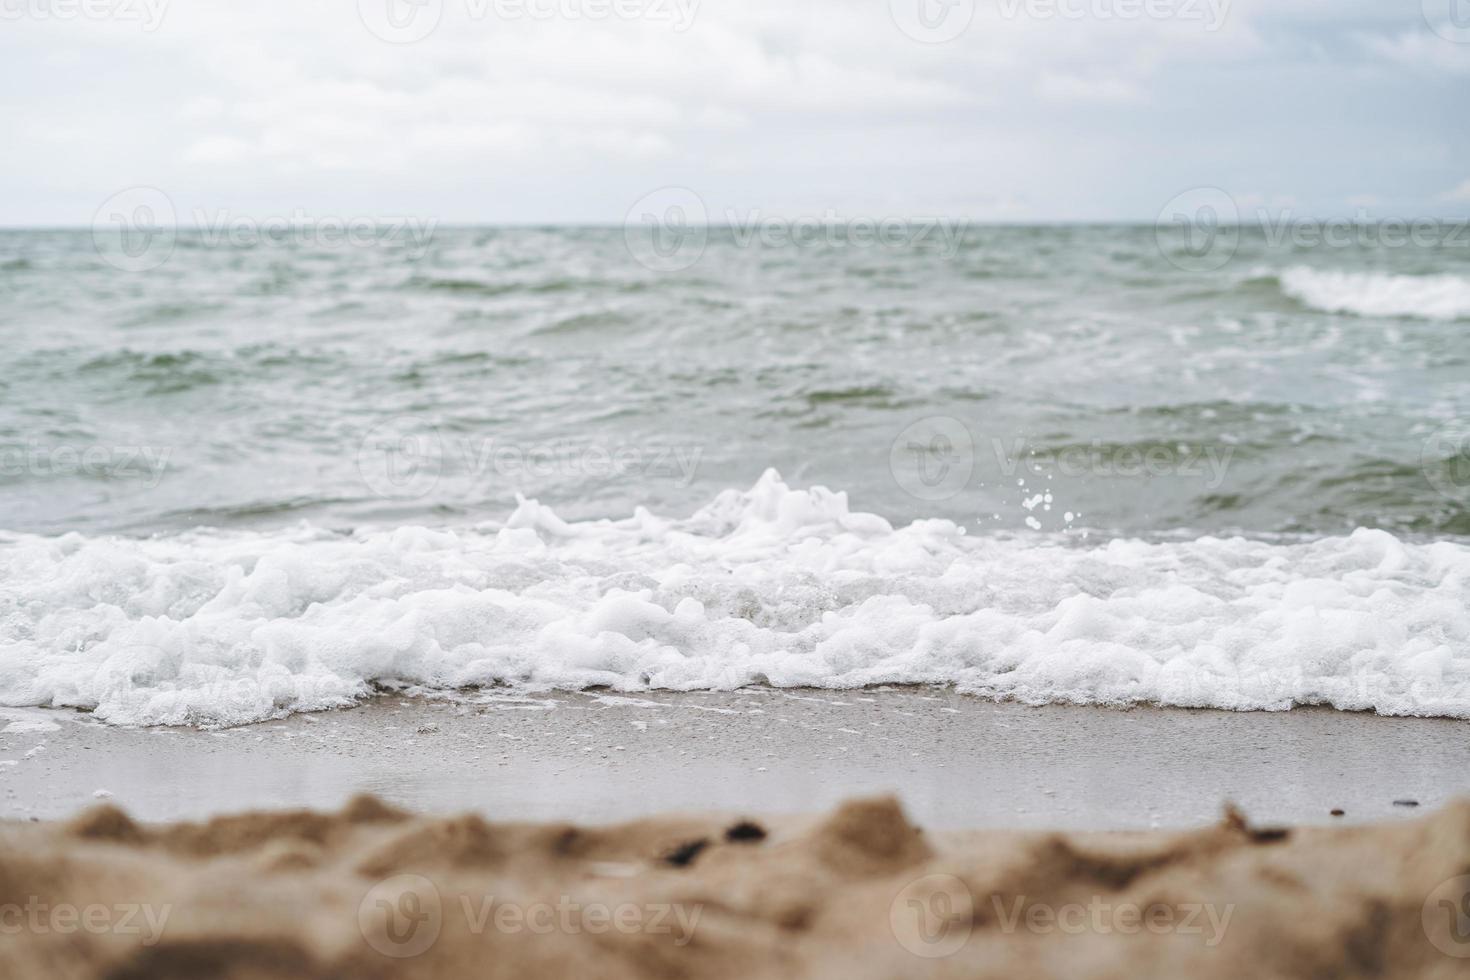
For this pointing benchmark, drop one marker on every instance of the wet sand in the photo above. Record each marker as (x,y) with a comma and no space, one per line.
(954,761)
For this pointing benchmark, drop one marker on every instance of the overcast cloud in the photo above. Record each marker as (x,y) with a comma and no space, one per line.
(572,110)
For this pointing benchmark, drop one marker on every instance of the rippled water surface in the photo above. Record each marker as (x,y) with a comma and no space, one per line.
(377,385)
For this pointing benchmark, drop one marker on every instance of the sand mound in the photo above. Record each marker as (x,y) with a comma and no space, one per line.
(374,892)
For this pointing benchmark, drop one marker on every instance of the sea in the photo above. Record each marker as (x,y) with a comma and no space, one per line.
(246,476)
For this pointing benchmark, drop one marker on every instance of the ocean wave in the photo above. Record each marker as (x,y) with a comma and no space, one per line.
(771,586)
(1441,297)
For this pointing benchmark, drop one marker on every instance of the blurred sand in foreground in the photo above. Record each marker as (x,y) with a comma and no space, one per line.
(371,891)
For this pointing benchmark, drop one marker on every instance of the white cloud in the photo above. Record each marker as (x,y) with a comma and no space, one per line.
(1459,194)
(1074,88)
(218,150)
(818,103)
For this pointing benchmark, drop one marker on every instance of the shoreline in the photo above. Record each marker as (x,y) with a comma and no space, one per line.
(954,761)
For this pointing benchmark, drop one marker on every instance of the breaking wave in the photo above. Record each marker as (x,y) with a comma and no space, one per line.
(771,586)
(1442,297)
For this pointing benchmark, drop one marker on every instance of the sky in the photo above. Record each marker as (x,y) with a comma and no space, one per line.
(572,111)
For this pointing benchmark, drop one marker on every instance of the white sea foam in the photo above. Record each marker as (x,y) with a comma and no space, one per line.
(1443,297)
(775,586)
